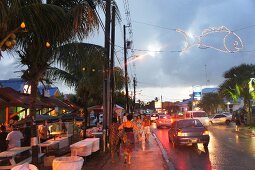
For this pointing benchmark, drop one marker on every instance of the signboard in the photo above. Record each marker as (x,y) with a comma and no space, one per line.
(197,92)
(158,104)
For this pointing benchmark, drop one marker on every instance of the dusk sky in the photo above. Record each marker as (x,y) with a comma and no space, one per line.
(172,73)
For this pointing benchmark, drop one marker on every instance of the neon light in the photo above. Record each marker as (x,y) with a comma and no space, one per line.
(237,45)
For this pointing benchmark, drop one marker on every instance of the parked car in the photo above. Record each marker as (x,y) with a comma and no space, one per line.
(163,120)
(221,118)
(188,131)
(200,115)
(154,117)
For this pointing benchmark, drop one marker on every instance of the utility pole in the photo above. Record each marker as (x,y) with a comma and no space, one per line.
(112,65)
(134,81)
(125,64)
(106,73)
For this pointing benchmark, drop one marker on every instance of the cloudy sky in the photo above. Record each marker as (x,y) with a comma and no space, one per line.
(169,73)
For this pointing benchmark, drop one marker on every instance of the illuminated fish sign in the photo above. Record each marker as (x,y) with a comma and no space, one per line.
(191,40)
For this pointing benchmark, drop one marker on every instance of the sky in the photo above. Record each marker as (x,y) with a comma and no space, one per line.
(172,72)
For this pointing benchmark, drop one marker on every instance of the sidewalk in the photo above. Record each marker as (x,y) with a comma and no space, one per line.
(248,131)
(148,159)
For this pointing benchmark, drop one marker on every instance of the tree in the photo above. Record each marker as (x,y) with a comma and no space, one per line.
(236,85)
(210,102)
(48,25)
(81,65)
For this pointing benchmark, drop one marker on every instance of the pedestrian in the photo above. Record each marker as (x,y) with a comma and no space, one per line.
(124,119)
(139,124)
(14,137)
(3,135)
(146,127)
(237,121)
(27,134)
(43,132)
(128,138)
(114,139)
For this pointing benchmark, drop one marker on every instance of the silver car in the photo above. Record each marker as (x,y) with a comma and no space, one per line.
(221,118)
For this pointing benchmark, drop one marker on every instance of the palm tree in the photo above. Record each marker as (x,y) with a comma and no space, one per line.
(48,25)
(81,65)
(236,85)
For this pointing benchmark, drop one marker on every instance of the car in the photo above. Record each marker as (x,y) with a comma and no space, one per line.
(200,115)
(221,118)
(154,117)
(188,131)
(164,120)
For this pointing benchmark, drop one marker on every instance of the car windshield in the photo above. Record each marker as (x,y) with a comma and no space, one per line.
(164,117)
(227,113)
(189,123)
(199,114)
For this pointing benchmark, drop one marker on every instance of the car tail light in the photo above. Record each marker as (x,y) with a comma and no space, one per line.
(180,133)
(206,132)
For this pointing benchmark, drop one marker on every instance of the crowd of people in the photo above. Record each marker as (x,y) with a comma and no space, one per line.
(124,134)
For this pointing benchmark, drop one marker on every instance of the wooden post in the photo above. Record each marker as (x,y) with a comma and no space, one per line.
(6,115)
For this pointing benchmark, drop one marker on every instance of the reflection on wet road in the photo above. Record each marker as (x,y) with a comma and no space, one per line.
(227,150)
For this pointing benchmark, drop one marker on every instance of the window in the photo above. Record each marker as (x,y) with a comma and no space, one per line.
(199,114)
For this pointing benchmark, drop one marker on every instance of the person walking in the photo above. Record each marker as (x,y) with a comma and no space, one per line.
(128,138)
(139,124)
(146,127)
(237,121)
(3,135)
(114,138)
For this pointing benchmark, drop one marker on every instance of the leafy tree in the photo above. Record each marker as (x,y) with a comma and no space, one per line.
(236,85)
(210,102)
(81,65)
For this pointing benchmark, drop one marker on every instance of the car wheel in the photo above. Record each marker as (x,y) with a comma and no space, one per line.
(227,122)
(206,145)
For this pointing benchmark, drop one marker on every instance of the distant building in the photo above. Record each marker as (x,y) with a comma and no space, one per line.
(21,86)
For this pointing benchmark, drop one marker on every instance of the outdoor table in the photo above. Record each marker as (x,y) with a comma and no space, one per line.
(58,133)
(25,166)
(49,143)
(72,163)
(63,141)
(81,148)
(12,153)
(95,145)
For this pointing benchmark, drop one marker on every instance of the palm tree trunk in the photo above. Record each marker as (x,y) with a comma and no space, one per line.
(85,114)
(34,142)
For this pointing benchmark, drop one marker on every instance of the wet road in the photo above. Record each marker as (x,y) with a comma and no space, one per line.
(227,150)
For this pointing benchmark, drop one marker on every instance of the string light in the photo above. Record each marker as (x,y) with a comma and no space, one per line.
(237,44)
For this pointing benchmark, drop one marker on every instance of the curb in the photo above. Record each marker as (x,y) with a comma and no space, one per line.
(164,153)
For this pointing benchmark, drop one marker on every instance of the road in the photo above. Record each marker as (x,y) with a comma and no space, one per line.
(227,150)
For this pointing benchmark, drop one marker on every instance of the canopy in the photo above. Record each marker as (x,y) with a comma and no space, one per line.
(99,109)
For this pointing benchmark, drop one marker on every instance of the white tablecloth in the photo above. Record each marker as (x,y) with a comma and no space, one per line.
(25,166)
(63,141)
(95,146)
(81,148)
(67,163)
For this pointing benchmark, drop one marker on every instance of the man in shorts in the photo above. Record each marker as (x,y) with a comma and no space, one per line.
(146,127)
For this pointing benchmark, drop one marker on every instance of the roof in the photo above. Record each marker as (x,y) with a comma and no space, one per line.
(14,98)
(55,102)
(16,84)
(53,91)
(210,90)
